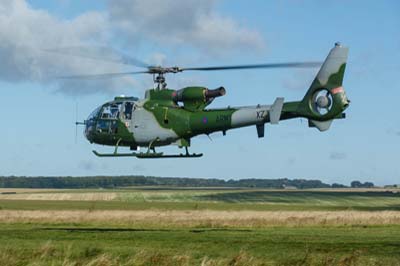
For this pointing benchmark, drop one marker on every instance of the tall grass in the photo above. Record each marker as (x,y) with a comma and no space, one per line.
(49,254)
(203,218)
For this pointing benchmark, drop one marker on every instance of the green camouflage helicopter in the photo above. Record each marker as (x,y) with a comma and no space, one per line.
(173,117)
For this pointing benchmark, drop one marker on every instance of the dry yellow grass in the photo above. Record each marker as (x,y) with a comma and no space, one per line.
(30,190)
(138,195)
(203,218)
(376,189)
(82,196)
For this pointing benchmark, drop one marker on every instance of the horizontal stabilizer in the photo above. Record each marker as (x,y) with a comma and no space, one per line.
(321,125)
(276,110)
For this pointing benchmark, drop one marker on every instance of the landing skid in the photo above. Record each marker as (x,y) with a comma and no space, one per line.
(161,155)
(151,155)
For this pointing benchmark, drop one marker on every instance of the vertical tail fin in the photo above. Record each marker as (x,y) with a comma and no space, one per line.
(331,73)
(326,100)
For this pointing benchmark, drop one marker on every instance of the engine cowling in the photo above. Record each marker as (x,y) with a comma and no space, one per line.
(197,98)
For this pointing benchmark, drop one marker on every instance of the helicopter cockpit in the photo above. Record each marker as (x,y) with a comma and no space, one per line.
(104,119)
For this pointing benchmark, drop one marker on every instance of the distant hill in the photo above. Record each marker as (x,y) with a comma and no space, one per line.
(127,181)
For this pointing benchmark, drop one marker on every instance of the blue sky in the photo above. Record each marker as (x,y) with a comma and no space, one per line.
(39,114)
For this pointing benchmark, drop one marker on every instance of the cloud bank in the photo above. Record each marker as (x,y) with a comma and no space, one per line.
(25,32)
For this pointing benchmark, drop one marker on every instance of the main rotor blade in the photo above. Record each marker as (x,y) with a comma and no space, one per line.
(273,65)
(105,54)
(101,76)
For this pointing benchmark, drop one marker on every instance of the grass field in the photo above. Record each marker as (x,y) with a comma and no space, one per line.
(189,199)
(147,226)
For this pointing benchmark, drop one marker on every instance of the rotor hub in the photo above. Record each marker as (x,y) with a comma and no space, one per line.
(322,101)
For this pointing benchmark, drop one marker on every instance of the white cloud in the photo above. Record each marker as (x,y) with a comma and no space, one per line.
(25,32)
(181,22)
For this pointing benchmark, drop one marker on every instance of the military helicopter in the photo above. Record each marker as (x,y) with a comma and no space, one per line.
(174,117)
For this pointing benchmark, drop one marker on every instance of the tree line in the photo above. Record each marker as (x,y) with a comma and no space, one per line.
(127,181)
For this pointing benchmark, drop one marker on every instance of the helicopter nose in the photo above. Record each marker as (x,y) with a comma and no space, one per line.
(89,130)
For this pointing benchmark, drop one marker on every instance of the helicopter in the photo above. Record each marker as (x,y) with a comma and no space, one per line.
(173,117)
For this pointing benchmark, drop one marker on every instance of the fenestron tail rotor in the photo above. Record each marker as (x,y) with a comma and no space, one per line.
(322,101)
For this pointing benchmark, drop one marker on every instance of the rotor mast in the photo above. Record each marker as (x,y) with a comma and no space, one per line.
(159,75)
(159,81)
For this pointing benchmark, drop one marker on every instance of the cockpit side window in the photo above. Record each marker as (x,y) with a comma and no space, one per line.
(109,114)
(104,119)
(115,110)
(111,111)
(106,112)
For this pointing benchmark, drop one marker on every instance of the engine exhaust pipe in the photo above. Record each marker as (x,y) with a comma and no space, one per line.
(215,93)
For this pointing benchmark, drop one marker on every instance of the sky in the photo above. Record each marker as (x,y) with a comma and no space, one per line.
(39,111)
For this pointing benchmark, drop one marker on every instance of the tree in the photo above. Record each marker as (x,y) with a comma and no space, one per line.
(336,185)
(368,184)
(356,184)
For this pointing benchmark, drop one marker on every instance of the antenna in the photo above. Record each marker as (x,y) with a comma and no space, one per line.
(76,122)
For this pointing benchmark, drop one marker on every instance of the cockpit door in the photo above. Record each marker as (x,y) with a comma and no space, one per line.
(128,109)
(108,118)
(127,114)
